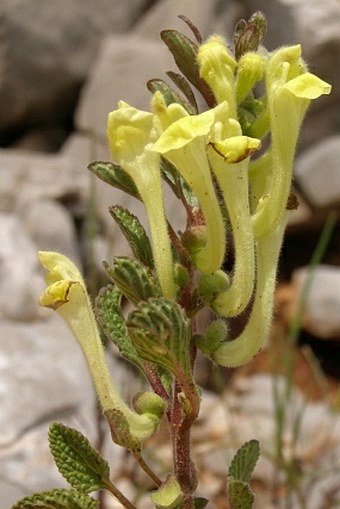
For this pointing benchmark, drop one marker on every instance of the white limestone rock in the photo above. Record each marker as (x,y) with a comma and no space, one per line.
(20,278)
(321,315)
(215,15)
(26,177)
(122,68)
(45,53)
(51,227)
(317,172)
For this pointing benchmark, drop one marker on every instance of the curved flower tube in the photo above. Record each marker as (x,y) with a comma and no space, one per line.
(184,143)
(233,181)
(66,293)
(131,135)
(242,349)
(289,90)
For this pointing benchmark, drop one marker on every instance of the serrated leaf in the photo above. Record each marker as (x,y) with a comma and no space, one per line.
(240,495)
(77,461)
(111,319)
(170,96)
(115,176)
(159,330)
(57,499)
(134,234)
(244,461)
(184,51)
(184,86)
(134,279)
(177,183)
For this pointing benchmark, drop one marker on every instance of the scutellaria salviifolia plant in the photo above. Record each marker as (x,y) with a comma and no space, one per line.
(230,165)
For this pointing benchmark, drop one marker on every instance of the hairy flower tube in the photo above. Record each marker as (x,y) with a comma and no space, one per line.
(241,350)
(183,143)
(66,293)
(289,91)
(217,68)
(131,135)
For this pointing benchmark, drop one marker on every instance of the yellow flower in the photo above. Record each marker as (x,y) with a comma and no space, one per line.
(66,293)
(131,135)
(183,143)
(289,90)
(217,67)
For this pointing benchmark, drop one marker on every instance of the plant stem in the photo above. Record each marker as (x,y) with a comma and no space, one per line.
(119,496)
(137,455)
(180,433)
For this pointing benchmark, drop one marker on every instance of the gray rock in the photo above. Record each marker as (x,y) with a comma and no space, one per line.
(50,226)
(45,53)
(123,67)
(207,16)
(321,312)
(43,379)
(43,367)
(20,280)
(26,177)
(317,171)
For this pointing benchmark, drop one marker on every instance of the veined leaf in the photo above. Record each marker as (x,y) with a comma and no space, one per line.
(134,234)
(134,279)
(177,183)
(244,461)
(110,317)
(240,495)
(115,176)
(77,461)
(57,499)
(184,86)
(184,51)
(159,330)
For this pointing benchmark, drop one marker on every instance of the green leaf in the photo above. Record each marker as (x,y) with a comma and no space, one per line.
(111,319)
(184,87)
(169,495)
(170,96)
(159,330)
(244,461)
(134,234)
(115,176)
(134,280)
(57,499)
(240,495)
(184,51)
(77,461)
(177,183)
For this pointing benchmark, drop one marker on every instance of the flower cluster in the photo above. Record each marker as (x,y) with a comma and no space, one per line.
(218,153)
(233,166)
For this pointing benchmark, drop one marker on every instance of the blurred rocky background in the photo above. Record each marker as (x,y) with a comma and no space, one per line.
(63,67)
